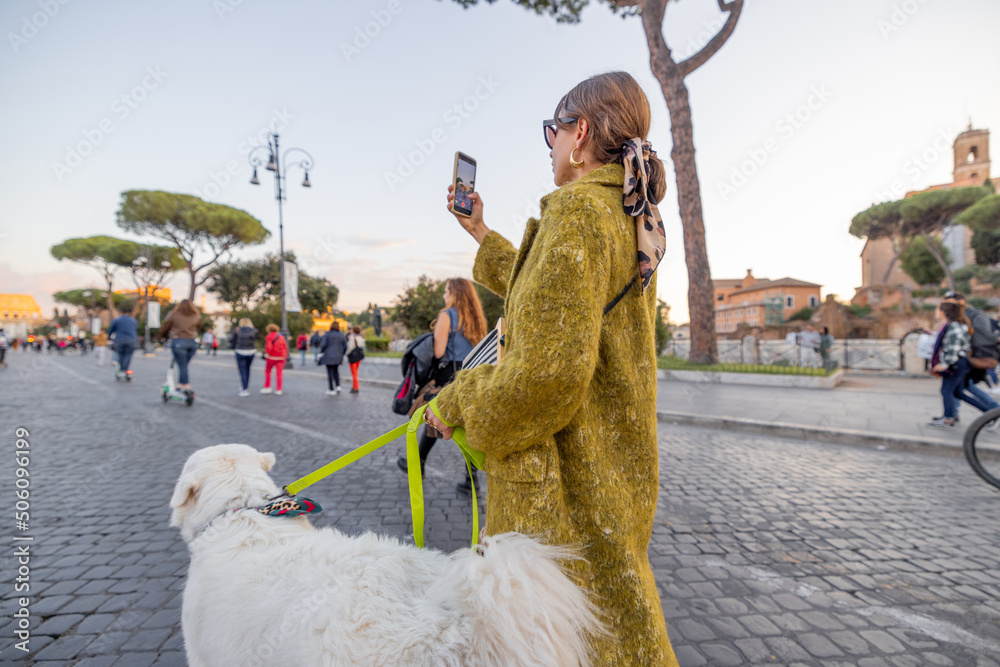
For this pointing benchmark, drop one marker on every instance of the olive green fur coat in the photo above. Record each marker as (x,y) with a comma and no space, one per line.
(567,421)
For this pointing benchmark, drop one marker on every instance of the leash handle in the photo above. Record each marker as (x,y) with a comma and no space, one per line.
(472,457)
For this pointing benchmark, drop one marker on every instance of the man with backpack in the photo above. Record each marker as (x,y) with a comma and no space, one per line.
(985,352)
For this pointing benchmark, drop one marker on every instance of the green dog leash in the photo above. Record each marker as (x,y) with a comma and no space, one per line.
(471,456)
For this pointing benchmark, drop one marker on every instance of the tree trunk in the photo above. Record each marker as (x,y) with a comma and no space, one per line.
(194,285)
(701,296)
(899,253)
(932,249)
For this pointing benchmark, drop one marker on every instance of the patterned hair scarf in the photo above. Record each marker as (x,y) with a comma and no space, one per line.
(651,237)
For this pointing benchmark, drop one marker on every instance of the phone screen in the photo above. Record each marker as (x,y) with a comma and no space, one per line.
(465,184)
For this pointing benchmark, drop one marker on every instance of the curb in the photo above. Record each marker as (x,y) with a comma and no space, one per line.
(815,433)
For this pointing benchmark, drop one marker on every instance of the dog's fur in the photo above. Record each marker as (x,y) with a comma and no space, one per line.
(273,590)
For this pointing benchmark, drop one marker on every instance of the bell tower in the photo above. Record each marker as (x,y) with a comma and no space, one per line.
(972,156)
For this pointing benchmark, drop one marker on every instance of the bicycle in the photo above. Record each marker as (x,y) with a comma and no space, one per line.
(981,446)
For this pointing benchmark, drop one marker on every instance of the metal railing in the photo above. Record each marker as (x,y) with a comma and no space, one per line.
(851,353)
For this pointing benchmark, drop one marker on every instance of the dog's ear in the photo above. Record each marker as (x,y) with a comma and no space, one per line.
(267,461)
(185,491)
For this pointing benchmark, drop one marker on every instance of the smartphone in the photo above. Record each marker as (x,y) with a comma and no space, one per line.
(464,180)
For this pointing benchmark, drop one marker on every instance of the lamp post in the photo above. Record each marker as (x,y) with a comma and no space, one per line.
(138,263)
(274,163)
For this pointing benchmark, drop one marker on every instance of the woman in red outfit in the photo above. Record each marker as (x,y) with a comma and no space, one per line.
(355,341)
(275,354)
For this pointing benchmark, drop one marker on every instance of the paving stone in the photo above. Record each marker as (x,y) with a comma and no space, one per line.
(720,655)
(883,641)
(688,656)
(57,625)
(786,546)
(64,648)
(818,645)
(139,659)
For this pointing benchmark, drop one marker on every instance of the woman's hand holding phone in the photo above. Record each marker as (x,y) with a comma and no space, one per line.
(474,223)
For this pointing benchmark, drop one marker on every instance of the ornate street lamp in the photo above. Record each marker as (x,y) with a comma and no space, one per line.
(274,163)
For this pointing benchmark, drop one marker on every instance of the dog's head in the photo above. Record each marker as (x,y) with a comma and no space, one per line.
(218,478)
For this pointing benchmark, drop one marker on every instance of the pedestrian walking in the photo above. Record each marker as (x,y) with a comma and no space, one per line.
(207,339)
(181,329)
(302,344)
(333,345)
(951,363)
(215,346)
(125,332)
(100,346)
(984,352)
(825,345)
(458,328)
(4,343)
(314,342)
(567,419)
(243,341)
(809,348)
(275,355)
(355,353)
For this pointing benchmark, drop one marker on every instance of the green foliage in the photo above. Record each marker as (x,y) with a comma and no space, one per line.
(860,311)
(920,214)
(804,314)
(918,262)
(978,302)
(270,313)
(375,344)
(879,221)
(419,305)
(98,251)
(190,224)
(248,284)
(563,11)
(678,364)
(492,305)
(986,244)
(984,215)
(662,330)
(96,300)
(317,294)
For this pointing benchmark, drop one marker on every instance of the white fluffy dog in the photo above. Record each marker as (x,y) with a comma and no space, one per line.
(267,590)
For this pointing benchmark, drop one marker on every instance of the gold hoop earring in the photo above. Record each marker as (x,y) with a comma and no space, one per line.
(573,162)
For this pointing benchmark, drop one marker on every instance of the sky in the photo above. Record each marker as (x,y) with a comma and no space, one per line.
(809,114)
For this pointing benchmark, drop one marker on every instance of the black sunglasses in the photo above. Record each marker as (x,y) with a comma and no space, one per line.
(551,126)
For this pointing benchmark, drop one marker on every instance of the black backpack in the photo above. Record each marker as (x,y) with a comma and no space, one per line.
(406,392)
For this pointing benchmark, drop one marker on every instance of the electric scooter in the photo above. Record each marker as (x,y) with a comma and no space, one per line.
(171,392)
(123,375)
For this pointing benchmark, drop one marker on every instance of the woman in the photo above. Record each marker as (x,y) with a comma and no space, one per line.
(181,327)
(951,363)
(302,344)
(567,420)
(243,341)
(275,354)
(460,326)
(332,348)
(825,345)
(355,347)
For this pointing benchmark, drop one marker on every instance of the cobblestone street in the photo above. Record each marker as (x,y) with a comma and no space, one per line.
(766,551)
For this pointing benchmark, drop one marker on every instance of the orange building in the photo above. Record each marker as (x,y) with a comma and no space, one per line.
(19,313)
(971,168)
(758,302)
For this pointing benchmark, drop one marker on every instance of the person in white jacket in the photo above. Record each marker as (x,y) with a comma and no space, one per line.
(355,353)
